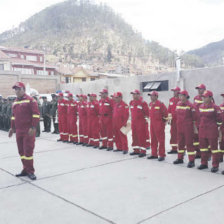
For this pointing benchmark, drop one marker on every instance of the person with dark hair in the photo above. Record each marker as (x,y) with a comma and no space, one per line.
(46,114)
(158,117)
(186,117)
(53,113)
(120,118)
(172,120)
(139,125)
(106,124)
(62,118)
(25,118)
(210,120)
(198,100)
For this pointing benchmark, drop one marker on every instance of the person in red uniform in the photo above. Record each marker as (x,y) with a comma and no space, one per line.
(148,144)
(186,116)
(210,120)
(120,118)
(172,120)
(221,132)
(25,118)
(93,121)
(139,125)
(106,125)
(82,111)
(158,117)
(72,111)
(62,118)
(197,103)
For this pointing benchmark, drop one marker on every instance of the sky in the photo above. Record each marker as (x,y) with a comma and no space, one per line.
(176,24)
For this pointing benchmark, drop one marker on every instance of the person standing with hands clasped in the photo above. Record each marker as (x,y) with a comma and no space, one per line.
(25,117)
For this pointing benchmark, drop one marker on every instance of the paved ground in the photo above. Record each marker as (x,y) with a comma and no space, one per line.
(87,186)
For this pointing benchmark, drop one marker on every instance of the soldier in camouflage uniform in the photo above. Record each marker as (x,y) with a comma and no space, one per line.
(53,113)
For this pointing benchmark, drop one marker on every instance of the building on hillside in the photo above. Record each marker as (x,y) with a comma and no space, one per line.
(74,75)
(25,61)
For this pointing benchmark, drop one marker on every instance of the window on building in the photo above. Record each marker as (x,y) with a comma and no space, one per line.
(83,79)
(41,72)
(41,59)
(12,55)
(25,71)
(67,79)
(22,56)
(31,58)
(51,72)
(92,79)
(155,85)
(1,67)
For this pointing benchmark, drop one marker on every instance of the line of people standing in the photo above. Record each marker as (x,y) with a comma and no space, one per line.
(195,128)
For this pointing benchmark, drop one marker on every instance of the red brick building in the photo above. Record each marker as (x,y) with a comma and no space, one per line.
(26,61)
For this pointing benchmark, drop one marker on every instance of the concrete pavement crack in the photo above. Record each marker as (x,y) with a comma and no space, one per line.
(179,204)
(59,197)
(86,168)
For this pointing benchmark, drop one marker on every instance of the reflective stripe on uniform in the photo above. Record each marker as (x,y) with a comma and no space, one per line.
(183,108)
(196,143)
(191,153)
(96,140)
(12,118)
(206,110)
(157,108)
(199,101)
(181,151)
(36,116)
(27,158)
(110,139)
(215,151)
(105,138)
(174,145)
(204,150)
(22,101)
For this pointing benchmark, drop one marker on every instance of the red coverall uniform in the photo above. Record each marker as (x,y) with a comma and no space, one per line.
(186,117)
(71,120)
(62,119)
(221,143)
(173,130)
(93,123)
(83,122)
(210,119)
(120,118)
(158,116)
(197,103)
(139,125)
(106,124)
(25,116)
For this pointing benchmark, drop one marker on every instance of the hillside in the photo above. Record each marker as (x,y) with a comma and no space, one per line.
(79,31)
(211,54)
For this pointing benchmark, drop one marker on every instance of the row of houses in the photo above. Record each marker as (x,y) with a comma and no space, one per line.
(32,62)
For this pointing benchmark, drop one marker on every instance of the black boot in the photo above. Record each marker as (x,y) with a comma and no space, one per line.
(190,164)
(152,157)
(125,152)
(202,167)
(32,176)
(172,152)
(59,140)
(161,159)
(178,161)
(134,153)
(141,155)
(102,147)
(214,169)
(109,149)
(117,150)
(22,174)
